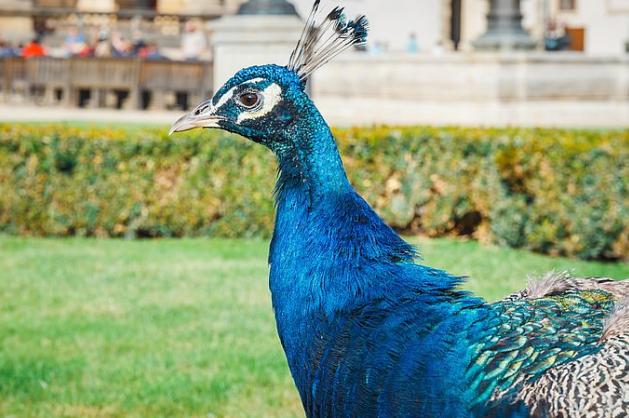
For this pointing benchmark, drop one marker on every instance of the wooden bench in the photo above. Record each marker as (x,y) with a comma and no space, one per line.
(50,75)
(14,80)
(105,74)
(88,81)
(192,79)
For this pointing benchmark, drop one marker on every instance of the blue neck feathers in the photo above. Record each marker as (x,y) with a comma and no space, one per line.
(331,253)
(309,159)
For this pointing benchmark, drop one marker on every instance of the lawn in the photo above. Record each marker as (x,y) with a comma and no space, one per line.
(174,328)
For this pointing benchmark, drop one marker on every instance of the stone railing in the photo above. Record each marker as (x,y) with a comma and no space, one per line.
(129,83)
(484,77)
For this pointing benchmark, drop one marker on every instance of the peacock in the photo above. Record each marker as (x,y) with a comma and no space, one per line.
(367,330)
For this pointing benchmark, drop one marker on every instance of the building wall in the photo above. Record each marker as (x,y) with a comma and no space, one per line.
(196,6)
(170,6)
(96,5)
(16,29)
(606,24)
(163,6)
(166,6)
(393,24)
(16,4)
(606,21)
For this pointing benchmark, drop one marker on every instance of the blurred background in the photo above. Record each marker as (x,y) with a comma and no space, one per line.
(528,62)
(493,134)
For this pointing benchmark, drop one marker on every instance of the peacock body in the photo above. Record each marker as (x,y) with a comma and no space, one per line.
(369,332)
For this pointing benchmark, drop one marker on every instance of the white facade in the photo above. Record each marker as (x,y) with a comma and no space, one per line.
(605,22)
(393,21)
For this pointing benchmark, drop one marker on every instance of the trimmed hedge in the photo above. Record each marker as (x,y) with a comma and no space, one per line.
(552,191)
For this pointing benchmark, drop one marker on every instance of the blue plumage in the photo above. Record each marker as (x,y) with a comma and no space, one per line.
(366,330)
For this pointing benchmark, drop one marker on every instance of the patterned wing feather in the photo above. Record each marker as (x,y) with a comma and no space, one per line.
(561,346)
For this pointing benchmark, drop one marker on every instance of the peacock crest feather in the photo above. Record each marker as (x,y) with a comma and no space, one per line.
(323,40)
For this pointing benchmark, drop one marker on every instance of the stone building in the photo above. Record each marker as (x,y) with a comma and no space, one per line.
(596,27)
(160,6)
(21,19)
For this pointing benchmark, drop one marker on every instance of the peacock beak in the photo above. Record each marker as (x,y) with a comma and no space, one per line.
(203,116)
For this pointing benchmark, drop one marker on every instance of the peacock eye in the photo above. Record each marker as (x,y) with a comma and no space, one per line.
(249,100)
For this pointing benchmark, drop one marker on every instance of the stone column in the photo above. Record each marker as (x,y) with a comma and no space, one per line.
(267,7)
(264,32)
(505,30)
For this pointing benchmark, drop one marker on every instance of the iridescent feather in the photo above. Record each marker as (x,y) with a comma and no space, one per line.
(568,340)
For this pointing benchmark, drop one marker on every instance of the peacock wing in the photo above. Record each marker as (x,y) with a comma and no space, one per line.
(547,344)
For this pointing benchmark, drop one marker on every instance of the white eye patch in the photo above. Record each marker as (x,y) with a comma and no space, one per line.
(229,94)
(271,96)
(225,97)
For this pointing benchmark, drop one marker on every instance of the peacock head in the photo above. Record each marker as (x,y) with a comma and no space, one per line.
(258,103)
(267,104)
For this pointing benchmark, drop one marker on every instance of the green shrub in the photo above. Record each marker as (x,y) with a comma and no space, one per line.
(552,191)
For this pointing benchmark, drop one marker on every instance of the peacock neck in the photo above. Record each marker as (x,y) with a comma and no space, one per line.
(311,184)
(330,251)
(332,257)
(309,160)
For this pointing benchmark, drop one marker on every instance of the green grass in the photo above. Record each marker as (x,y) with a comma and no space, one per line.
(174,328)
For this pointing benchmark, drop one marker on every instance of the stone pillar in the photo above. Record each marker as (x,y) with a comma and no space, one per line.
(253,37)
(505,30)
(267,7)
